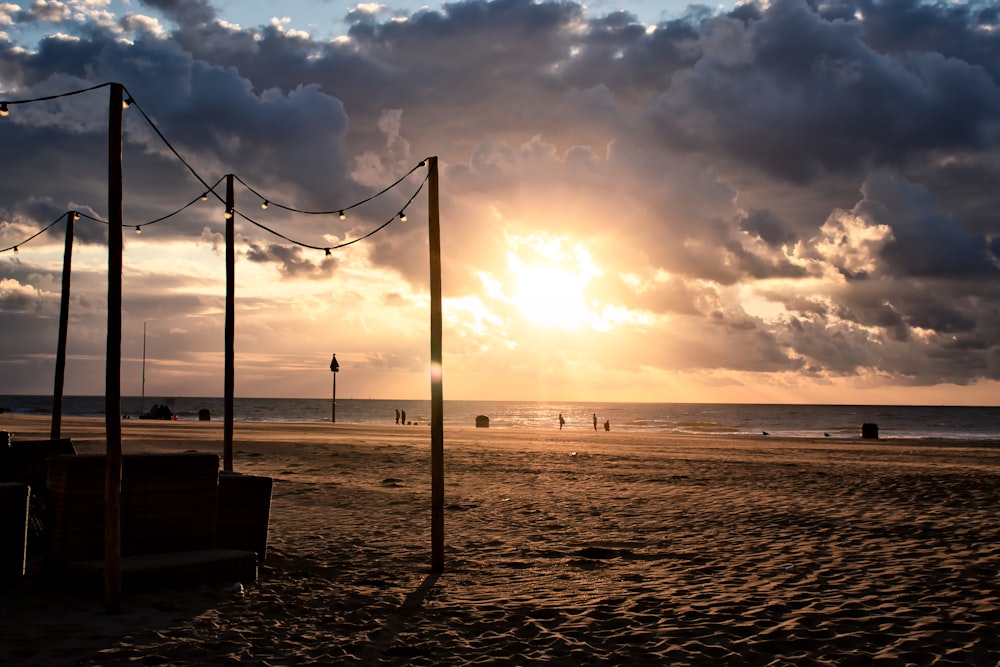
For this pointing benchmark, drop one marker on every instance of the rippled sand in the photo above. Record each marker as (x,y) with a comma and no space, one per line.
(566,548)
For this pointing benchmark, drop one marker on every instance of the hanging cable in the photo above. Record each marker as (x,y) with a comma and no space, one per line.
(265,202)
(172,149)
(39,232)
(129,102)
(399,216)
(5,104)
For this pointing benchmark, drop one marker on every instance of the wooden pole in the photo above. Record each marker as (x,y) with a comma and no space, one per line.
(142,389)
(230,372)
(57,388)
(437,393)
(113,361)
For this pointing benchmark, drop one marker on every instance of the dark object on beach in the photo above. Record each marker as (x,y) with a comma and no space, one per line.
(869,431)
(204,415)
(764,433)
(482,421)
(159,411)
(607,424)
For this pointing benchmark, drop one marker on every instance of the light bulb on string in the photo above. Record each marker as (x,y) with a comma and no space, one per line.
(328,253)
(402,216)
(264,204)
(4,110)
(204,196)
(229,214)
(126,103)
(15,250)
(138,229)
(341,215)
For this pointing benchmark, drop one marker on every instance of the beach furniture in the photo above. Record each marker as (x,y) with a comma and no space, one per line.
(23,461)
(169,522)
(244,512)
(13,530)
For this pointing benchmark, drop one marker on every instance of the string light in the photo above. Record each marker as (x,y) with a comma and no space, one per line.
(128,102)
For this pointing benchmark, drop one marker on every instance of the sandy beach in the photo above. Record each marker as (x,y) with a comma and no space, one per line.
(563,548)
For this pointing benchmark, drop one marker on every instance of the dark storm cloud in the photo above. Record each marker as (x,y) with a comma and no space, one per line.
(838,153)
(290,262)
(187,13)
(799,96)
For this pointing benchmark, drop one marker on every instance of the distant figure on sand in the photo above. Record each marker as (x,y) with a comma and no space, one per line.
(607,424)
(402,417)
(562,422)
(595,421)
(397,415)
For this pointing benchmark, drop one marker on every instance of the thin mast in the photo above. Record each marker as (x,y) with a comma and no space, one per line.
(142,397)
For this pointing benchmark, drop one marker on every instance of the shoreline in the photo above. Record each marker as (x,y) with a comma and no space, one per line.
(564,548)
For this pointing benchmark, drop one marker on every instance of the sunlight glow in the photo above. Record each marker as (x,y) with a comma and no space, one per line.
(549,287)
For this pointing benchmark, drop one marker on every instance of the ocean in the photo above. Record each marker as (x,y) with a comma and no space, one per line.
(839,421)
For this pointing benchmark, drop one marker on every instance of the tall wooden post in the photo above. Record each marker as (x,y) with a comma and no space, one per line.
(437,393)
(113,361)
(60,376)
(230,369)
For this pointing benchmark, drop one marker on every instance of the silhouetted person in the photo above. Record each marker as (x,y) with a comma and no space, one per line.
(595,421)
(402,417)
(397,415)
(562,422)
(607,424)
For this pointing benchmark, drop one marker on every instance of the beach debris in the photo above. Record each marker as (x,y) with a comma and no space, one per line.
(235,589)
(392,481)
(572,453)
(765,433)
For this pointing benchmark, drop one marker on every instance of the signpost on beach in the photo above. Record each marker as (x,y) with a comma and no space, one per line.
(334,366)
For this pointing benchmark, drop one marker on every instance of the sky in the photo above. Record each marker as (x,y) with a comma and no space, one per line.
(763,202)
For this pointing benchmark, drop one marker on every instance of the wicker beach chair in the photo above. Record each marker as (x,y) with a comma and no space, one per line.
(169,521)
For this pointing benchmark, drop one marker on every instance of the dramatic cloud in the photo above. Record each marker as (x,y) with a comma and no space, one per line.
(783,201)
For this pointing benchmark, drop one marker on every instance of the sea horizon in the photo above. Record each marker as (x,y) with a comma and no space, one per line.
(725,419)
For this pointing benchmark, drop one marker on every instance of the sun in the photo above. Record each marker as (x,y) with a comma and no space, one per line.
(549,287)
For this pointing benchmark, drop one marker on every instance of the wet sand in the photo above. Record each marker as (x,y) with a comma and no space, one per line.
(568,547)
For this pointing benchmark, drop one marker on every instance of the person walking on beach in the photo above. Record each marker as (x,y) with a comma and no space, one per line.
(397,415)
(402,415)
(595,421)
(562,422)
(607,424)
